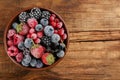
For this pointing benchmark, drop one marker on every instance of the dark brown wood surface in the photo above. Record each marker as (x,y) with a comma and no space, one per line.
(94,48)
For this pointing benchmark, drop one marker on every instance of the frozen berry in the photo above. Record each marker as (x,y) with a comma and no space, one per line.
(32,22)
(23,16)
(32,30)
(48,58)
(60,54)
(45,14)
(56,31)
(59,25)
(55,38)
(56,20)
(39,34)
(21,46)
(38,27)
(64,36)
(46,41)
(48,30)
(35,13)
(44,22)
(17,39)
(53,23)
(52,18)
(33,62)
(11,33)
(39,64)
(14,25)
(61,31)
(12,51)
(37,40)
(10,42)
(27,59)
(28,43)
(19,57)
(24,64)
(37,51)
(33,35)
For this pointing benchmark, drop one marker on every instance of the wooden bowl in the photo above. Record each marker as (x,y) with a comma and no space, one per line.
(15,18)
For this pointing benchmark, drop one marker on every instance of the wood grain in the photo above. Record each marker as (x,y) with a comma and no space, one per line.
(94,49)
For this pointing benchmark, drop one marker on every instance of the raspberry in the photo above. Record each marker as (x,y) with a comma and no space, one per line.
(56,20)
(56,31)
(19,57)
(39,34)
(12,51)
(32,22)
(9,42)
(35,13)
(28,35)
(11,33)
(17,39)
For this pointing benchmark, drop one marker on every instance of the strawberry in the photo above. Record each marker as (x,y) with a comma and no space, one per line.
(12,51)
(37,50)
(22,29)
(11,33)
(32,22)
(48,58)
(17,39)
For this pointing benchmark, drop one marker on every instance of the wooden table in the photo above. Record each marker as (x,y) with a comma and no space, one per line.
(94,48)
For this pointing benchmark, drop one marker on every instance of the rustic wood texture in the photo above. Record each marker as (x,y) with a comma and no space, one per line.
(94,49)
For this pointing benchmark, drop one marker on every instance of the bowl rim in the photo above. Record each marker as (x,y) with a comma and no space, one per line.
(9,24)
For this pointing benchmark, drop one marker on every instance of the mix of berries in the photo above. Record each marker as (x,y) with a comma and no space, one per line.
(37,39)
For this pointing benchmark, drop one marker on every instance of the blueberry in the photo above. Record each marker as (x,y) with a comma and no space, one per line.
(55,38)
(48,30)
(44,22)
(62,46)
(14,25)
(33,62)
(38,27)
(39,64)
(28,43)
(27,59)
(21,46)
(60,54)
(24,64)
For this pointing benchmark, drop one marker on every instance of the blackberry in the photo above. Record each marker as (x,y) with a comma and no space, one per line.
(45,14)
(35,13)
(46,41)
(23,16)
